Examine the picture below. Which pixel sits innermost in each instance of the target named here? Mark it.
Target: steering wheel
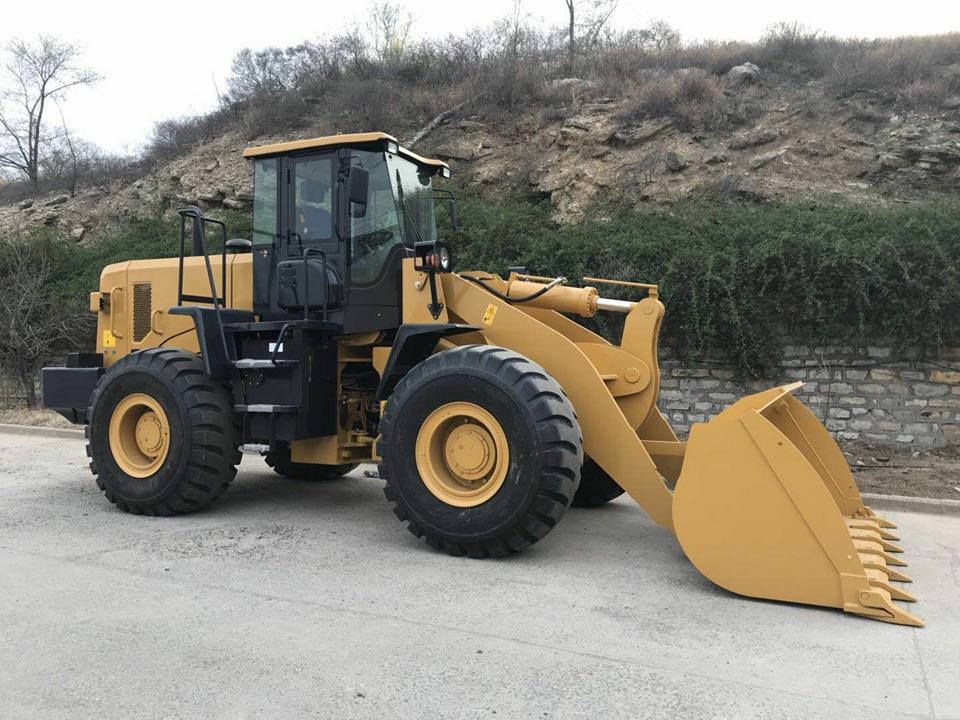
(373, 240)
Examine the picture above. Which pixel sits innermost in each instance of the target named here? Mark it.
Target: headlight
(446, 260)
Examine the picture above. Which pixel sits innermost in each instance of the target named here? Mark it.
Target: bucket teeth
(872, 525)
(882, 522)
(873, 552)
(897, 593)
(879, 579)
(872, 562)
(877, 603)
(898, 576)
(874, 548)
(890, 547)
(874, 536)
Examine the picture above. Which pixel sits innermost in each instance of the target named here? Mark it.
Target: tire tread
(556, 423)
(210, 467)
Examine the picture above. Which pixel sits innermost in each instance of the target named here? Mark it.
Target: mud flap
(766, 506)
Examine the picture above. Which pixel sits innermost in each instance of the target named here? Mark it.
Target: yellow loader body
(760, 498)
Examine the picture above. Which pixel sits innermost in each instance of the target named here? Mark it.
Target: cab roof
(328, 141)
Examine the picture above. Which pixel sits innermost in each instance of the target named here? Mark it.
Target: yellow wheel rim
(139, 435)
(462, 454)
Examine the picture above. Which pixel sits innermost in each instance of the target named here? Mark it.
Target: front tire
(481, 451)
(160, 434)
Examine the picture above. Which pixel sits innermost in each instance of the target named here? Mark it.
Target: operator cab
(333, 218)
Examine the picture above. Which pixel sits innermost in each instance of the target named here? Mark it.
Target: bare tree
(571, 35)
(38, 74)
(261, 72)
(71, 154)
(391, 30)
(584, 28)
(32, 322)
(514, 31)
(596, 20)
(660, 36)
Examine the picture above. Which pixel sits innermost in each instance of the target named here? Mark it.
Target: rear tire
(596, 487)
(281, 463)
(527, 434)
(161, 437)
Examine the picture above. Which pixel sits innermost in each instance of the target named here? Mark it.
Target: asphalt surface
(289, 599)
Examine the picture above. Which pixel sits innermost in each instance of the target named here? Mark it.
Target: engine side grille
(142, 309)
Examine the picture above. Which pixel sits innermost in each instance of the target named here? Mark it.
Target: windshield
(386, 223)
(414, 200)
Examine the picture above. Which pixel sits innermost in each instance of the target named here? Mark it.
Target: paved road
(289, 599)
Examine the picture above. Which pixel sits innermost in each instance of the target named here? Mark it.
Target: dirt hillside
(766, 139)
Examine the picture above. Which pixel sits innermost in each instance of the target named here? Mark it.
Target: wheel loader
(342, 333)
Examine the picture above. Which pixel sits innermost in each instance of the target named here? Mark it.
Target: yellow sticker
(109, 340)
(489, 314)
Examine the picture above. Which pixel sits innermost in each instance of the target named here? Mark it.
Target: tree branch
(433, 124)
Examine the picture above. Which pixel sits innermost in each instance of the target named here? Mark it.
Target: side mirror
(450, 199)
(359, 189)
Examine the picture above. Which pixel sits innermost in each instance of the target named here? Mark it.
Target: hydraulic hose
(514, 300)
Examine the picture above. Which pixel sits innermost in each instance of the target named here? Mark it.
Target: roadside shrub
(887, 67)
(689, 97)
(930, 93)
(508, 85)
(739, 279)
(792, 46)
(175, 136)
(273, 113)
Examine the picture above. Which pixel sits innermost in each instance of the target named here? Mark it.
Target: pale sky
(162, 59)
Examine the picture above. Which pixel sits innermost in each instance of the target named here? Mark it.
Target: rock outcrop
(804, 141)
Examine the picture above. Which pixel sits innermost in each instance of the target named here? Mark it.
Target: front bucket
(766, 506)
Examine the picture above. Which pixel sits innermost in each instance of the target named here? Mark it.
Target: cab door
(308, 230)
(375, 248)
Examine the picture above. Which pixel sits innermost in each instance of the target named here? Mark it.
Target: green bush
(740, 280)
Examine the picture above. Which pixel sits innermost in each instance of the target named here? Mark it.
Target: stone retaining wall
(866, 396)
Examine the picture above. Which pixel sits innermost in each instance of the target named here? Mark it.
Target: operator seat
(313, 221)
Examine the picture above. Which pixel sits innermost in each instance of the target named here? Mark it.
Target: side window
(265, 201)
(313, 199)
(374, 234)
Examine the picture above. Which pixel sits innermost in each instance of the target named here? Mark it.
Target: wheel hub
(139, 435)
(149, 433)
(462, 454)
(470, 451)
